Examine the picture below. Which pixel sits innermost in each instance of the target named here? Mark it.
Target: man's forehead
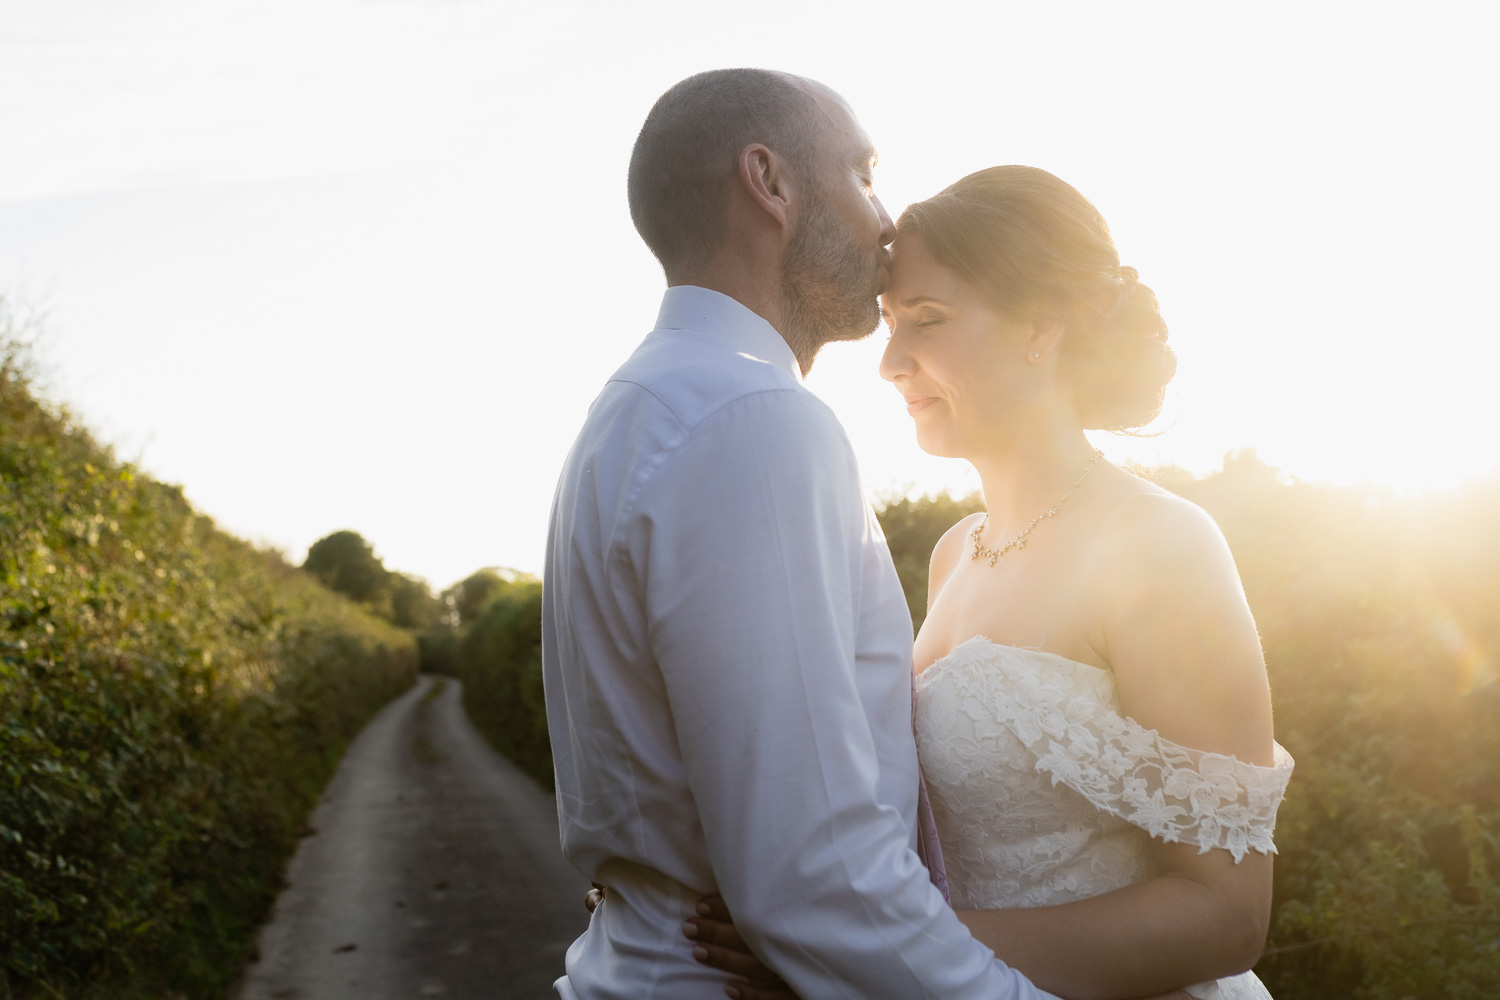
(838, 114)
(815, 87)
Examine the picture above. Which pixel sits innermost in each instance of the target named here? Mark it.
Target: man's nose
(887, 227)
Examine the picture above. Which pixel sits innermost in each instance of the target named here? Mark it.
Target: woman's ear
(1045, 336)
(769, 182)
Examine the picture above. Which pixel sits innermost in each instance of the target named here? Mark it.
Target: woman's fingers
(736, 963)
(707, 930)
(715, 908)
(718, 945)
(742, 990)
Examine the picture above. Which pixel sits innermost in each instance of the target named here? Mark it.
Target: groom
(726, 648)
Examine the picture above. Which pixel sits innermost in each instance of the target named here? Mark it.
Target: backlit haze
(336, 264)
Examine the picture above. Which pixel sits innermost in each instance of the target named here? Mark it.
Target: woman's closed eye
(921, 322)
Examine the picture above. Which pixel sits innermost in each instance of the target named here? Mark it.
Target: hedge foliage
(172, 701)
(1381, 627)
(497, 654)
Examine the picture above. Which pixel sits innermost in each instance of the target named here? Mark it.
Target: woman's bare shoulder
(1161, 551)
(1178, 629)
(946, 553)
(1153, 528)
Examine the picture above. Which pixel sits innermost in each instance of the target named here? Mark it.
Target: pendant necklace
(992, 556)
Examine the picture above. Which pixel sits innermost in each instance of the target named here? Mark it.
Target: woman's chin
(936, 445)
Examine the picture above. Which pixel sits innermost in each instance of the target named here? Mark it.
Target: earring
(1036, 355)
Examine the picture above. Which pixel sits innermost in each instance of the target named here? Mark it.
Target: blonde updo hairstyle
(1038, 249)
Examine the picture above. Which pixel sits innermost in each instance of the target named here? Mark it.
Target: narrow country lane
(434, 871)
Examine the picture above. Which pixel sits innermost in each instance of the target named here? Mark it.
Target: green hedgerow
(171, 702)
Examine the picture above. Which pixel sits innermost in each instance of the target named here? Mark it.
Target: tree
(468, 597)
(347, 564)
(412, 603)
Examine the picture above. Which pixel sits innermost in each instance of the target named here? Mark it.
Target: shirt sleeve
(753, 535)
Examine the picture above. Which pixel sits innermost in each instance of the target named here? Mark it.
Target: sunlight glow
(1475, 669)
(395, 237)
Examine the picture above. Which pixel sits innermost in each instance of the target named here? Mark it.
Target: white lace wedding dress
(1044, 793)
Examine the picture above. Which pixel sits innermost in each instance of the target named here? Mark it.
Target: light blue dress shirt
(727, 659)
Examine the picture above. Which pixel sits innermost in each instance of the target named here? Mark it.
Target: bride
(1092, 713)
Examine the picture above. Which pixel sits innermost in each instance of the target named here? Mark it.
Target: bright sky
(365, 263)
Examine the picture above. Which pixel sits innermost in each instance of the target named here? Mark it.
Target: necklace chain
(992, 556)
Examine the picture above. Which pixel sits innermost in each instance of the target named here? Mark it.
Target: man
(726, 648)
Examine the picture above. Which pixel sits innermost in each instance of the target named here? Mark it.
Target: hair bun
(1117, 291)
(1122, 365)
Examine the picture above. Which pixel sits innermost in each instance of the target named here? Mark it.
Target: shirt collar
(703, 310)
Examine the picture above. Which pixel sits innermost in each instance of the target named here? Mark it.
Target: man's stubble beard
(828, 285)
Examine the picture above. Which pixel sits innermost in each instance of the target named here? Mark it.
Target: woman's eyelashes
(922, 321)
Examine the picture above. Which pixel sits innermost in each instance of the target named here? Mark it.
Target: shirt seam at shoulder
(648, 473)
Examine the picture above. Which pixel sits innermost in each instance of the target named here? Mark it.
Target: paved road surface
(434, 872)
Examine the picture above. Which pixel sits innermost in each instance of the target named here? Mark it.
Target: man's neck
(761, 296)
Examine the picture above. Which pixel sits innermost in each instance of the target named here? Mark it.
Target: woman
(1092, 715)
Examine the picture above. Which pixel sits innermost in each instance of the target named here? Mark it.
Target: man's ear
(768, 181)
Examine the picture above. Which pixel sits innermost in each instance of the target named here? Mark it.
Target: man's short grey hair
(687, 155)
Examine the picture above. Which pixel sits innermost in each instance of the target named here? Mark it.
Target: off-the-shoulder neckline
(1280, 756)
(1019, 650)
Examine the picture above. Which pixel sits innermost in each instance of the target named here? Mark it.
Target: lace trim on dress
(1172, 792)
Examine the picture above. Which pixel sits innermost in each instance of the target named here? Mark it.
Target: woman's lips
(916, 404)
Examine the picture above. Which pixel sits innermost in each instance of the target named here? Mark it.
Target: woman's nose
(895, 362)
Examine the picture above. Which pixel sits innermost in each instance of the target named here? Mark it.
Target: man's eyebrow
(868, 158)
